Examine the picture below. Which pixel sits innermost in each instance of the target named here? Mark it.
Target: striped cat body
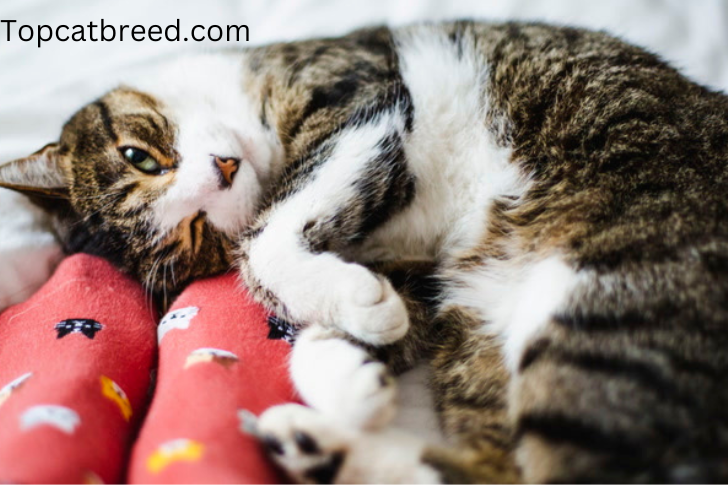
(540, 210)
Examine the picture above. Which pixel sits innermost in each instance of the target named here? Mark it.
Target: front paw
(369, 307)
(323, 289)
(341, 380)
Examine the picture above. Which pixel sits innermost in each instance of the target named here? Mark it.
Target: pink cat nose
(226, 167)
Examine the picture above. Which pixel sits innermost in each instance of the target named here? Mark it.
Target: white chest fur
(458, 165)
(460, 170)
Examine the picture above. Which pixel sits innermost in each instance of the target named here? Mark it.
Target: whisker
(164, 288)
(174, 278)
(96, 197)
(153, 279)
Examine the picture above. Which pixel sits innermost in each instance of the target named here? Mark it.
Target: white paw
(369, 308)
(365, 398)
(312, 449)
(324, 289)
(303, 443)
(370, 396)
(341, 380)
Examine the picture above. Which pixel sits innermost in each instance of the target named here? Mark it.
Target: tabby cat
(569, 190)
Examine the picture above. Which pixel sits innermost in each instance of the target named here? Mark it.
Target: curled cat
(561, 194)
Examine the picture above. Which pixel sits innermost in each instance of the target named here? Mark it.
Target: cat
(540, 210)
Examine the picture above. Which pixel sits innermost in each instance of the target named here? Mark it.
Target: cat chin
(229, 223)
(231, 210)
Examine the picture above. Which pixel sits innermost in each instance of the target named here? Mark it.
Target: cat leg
(343, 437)
(292, 259)
(352, 382)
(470, 385)
(350, 387)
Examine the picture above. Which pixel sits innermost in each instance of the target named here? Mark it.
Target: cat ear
(38, 175)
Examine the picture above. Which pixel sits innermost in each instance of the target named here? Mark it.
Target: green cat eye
(142, 160)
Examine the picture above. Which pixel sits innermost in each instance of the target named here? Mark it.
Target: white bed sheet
(41, 87)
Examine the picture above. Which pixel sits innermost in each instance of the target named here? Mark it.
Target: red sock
(215, 358)
(75, 365)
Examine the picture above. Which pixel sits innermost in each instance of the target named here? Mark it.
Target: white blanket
(41, 87)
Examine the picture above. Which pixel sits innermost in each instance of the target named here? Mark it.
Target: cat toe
(383, 322)
(372, 396)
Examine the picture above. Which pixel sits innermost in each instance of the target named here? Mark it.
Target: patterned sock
(75, 364)
(217, 356)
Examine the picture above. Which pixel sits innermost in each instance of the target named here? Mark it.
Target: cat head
(159, 180)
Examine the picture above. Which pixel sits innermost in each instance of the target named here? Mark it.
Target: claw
(248, 422)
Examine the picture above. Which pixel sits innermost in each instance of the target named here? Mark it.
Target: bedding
(40, 87)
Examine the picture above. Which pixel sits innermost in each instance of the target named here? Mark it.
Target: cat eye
(143, 161)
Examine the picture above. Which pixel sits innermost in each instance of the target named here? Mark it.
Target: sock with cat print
(75, 364)
(220, 355)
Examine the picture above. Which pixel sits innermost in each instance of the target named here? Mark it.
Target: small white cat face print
(178, 319)
(60, 417)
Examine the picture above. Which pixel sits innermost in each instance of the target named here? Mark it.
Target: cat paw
(341, 380)
(313, 449)
(371, 310)
(307, 447)
(370, 396)
(325, 290)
